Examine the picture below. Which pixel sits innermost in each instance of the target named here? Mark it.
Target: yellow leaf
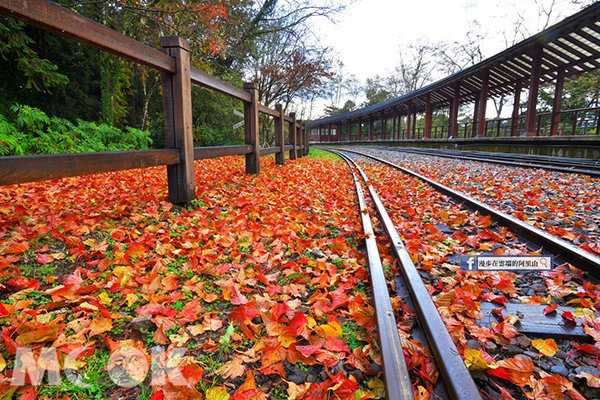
(105, 298)
(474, 360)
(45, 318)
(332, 329)
(378, 388)
(217, 393)
(584, 312)
(297, 391)
(87, 306)
(545, 346)
(124, 274)
(90, 242)
(100, 325)
(286, 340)
(131, 299)
(244, 241)
(179, 340)
(2, 363)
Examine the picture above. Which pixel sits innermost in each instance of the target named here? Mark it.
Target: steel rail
(395, 373)
(560, 248)
(587, 164)
(458, 380)
(493, 159)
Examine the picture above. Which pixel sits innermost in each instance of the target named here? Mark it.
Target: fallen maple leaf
(297, 392)
(568, 317)
(44, 259)
(232, 369)
(592, 380)
(551, 308)
(545, 346)
(39, 335)
(474, 360)
(135, 250)
(332, 329)
(519, 369)
(217, 393)
(100, 325)
(590, 349)
(15, 248)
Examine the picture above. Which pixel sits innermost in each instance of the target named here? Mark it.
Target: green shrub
(33, 132)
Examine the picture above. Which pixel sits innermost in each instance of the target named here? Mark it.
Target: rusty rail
(395, 372)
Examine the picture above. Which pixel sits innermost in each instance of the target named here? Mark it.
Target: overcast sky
(368, 35)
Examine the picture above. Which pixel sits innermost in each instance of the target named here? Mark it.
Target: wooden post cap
(174, 41)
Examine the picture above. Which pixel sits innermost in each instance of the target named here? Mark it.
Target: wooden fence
(177, 79)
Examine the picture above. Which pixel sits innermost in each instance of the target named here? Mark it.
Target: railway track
(457, 381)
(559, 164)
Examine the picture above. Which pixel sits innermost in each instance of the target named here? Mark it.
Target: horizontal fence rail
(23, 169)
(177, 78)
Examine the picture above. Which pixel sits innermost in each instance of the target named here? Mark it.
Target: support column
(383, 126)
(557, 105)
(399, 134)
(414, 126)
(371, 127)
(251, 129)
(394, 124)
(428, 117)
(339, 132)
(359, 129)
(485, 87)
(177, 108)
(514, 122)
(292, 129)
(533, 92)
(454, 106)
(476, 114)
(409, 120)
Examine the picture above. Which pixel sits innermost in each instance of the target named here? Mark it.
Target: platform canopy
(571, 47)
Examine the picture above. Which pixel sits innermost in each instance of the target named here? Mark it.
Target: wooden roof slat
(591, 40)
(570, 48)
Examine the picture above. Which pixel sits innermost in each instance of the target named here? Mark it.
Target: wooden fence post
(177, 108)
(279, 140)
(300, 140)
(307, 139)
(293, 136)
(251, 129)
